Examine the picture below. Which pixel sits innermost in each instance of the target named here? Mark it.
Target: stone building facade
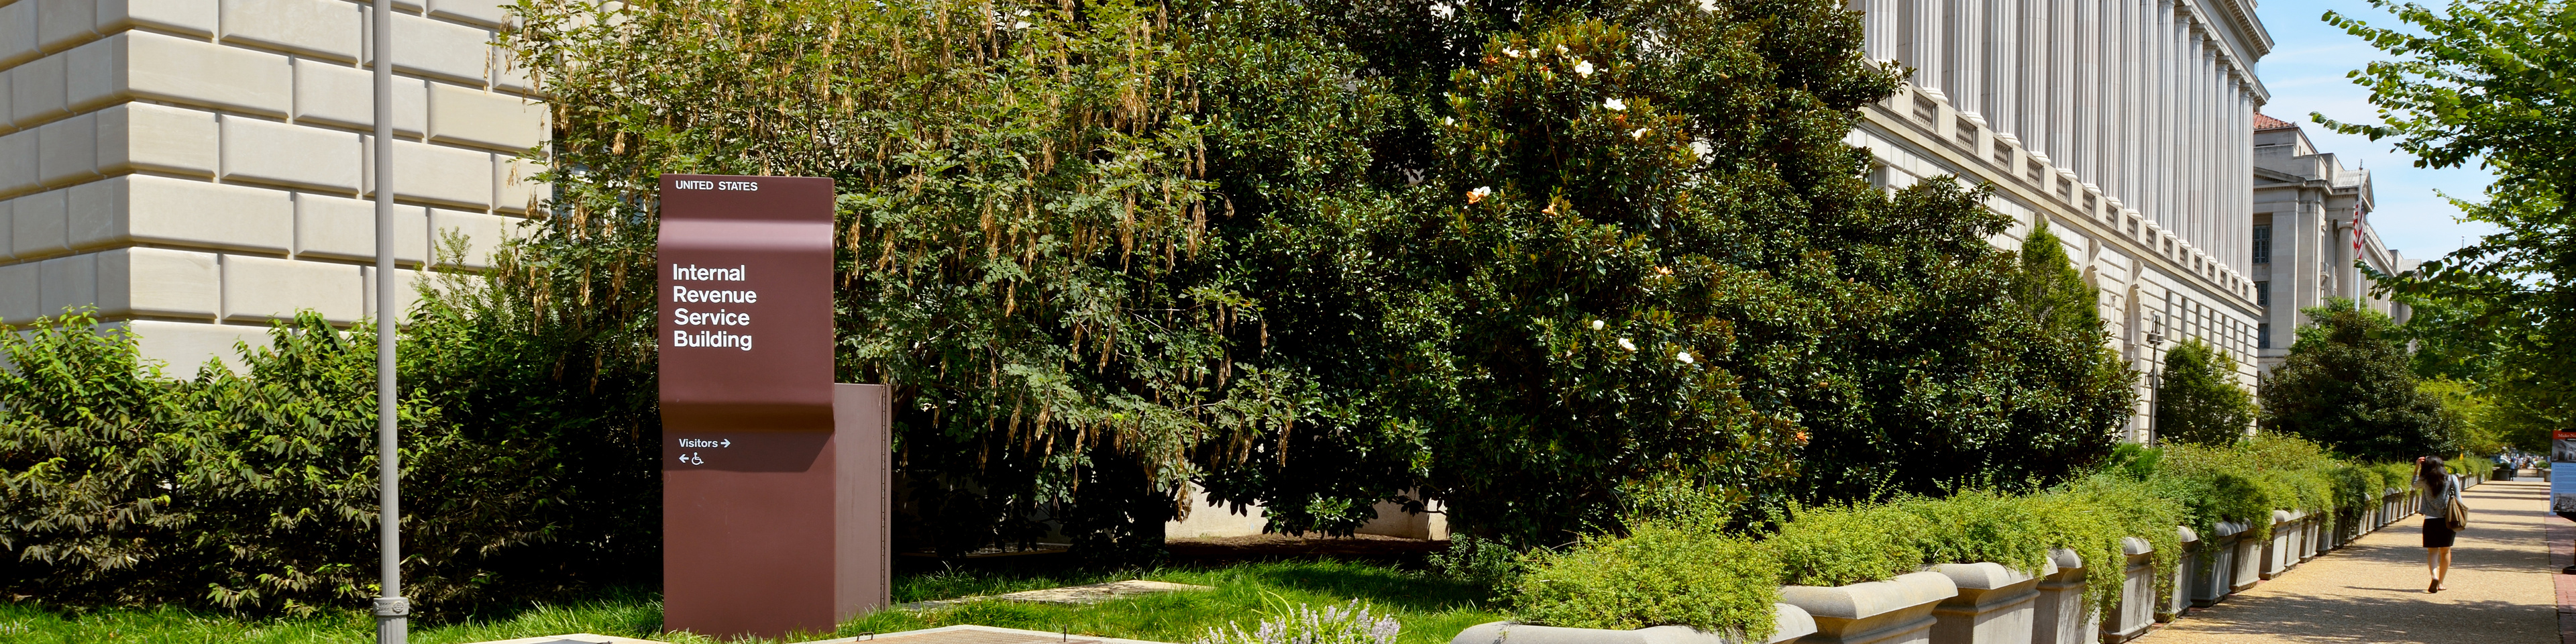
(2305, 206)
(198, 168)
(2127, 124)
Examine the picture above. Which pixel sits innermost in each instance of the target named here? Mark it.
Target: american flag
(2357, 214)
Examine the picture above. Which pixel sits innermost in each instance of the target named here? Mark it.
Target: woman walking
(2438, 487)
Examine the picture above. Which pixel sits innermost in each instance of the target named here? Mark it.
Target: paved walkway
(2500, 591)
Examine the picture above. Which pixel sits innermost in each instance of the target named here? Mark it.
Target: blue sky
(2305, 73)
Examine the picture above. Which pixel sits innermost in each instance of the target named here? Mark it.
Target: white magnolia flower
(1479, 194)
(1613, 103)
(1596, 325)
(1515, 53)
(1583, 68)
(1562, 50)
(1700, 148)
(1625, 344)
(1443, 10)
(1683, 356)
(1708, 5)
(1639, 134)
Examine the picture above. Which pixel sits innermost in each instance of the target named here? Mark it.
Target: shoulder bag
(2457, 514)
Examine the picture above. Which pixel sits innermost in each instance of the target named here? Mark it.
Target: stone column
(2084, 74)
(1999, 42)
(2159, 88)
(1879, 33)
(1963, 30)
(1923, 41)
(2065, 54)
(2031, 62)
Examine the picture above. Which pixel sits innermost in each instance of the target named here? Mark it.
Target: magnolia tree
(1514, 256)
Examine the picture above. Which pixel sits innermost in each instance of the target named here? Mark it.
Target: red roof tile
(2262, 122)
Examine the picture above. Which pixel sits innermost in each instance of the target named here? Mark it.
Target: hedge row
(1675, 568)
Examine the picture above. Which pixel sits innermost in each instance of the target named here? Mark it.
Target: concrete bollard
(2249, 562)
(1789, 625)
(2138, 601)
(2215, 576)
(2186, 562)
(1995, 604)
(1896, 611)
(2064, 617)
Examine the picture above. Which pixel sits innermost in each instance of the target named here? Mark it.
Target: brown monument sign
(774, 478)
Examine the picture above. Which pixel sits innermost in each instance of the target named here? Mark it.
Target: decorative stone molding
(2062, 616)
(2138, 601)
(1995, 604)
(1896, 611)
(1790, 623)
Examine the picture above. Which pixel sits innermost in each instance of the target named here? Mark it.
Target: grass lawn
(1432, 610)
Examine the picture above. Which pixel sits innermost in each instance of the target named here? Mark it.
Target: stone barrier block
(2063, 617)
(1995, 605)
(2276, 551)
(2214, 578)
(2186, 561)
(1789, 625)
(1896, 611)
(2249, 562)
(2138, 601)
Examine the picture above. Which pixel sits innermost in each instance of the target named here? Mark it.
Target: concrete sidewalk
(2500, 590)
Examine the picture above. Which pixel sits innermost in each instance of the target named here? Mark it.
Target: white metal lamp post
(391, 609)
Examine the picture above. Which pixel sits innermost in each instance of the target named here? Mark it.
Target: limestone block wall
(197, 168)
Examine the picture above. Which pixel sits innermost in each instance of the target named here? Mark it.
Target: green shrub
(1837, 545)
(1486, 563)
(1660, 574)
(256, 492)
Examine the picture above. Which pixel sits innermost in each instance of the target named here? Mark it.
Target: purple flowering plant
(1352, 623)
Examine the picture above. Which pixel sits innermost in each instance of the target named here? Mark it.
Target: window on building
(2263, 294)
(2263, 336)
(2262, 243)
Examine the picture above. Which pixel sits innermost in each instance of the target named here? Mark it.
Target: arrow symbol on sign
(727, 443)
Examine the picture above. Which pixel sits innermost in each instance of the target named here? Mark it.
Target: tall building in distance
(196, 169)
(2126, 124)
(2306, 206)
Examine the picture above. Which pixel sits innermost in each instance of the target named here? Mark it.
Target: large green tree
(2197, 398)
(2492, 82)
(1510, 255)
(2346, 385)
